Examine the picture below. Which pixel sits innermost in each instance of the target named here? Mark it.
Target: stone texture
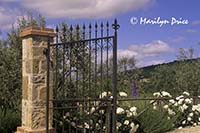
(42, 93)
(25, 87)
(34, 64)
(38, 78)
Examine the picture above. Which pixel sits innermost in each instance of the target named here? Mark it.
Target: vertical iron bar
(56, 74)
(89, 80)
(47, 90)
(95, 65)
(56, 71)
(83, 46)
(63, 60)
(101, 67)
(70, 67)
(70, 53)
(107, 47)
(63, 73)
(77, 67)
(114, 119)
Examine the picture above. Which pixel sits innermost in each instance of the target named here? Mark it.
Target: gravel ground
(187, 130)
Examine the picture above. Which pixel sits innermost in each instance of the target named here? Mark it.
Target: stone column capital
(37, 31)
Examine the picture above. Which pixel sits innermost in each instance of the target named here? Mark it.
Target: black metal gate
(83, 66)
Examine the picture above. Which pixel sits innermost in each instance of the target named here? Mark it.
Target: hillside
(149, 69)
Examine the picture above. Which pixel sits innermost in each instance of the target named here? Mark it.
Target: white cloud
(8, 17)
(83, 8)
(145, 51)
(151, 49)
(191, 31)
(5, 19)
(178, 39)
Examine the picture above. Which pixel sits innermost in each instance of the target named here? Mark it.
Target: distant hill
(148, 69)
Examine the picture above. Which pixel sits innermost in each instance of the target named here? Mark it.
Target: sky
(150, 30)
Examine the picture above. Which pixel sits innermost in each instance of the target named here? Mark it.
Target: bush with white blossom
(181, 108)
(97, 115)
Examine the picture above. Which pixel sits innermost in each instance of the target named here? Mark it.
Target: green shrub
(9, 120)
(155, 121)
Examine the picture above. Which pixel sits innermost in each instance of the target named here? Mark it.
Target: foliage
(9, 120)
(10, 77)
(154, 121)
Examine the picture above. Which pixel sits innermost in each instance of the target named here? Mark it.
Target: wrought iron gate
(83, 66)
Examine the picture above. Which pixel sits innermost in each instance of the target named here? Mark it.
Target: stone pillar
(34, 70)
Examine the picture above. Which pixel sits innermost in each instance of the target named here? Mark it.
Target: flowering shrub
(165, 111)
(95, 117)
(126, 117)
(180, 107)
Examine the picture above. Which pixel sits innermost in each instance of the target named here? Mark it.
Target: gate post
(34, 71)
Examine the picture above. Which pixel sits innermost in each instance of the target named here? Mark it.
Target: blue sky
(148, 43)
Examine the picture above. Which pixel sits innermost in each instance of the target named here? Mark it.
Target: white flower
(97, 125)
(194, 124)
(166, 106)
(118, 124)
(155, 103)
(122, 94)
(164, 93)
(181, 96)
(172, 101)
(185, 106)
(187, 100)
(176, 104)
(157, 94)
(180, 127)
(132, 125)
(180, 101)
(191, 114)
(171, 112)
(100, 121)
(101, 111)
(152, 101)
(189, 118)
(183, 122)
(181, 109)
(186, 93)
(133, 109)
(103, 94)
(120, 110)
(194, 107)
(154, 107)
(129, 114)
(92, 110)
(126, 122)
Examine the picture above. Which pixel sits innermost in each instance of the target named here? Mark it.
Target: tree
(10, 63)
(126, 63)
(185, 54)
